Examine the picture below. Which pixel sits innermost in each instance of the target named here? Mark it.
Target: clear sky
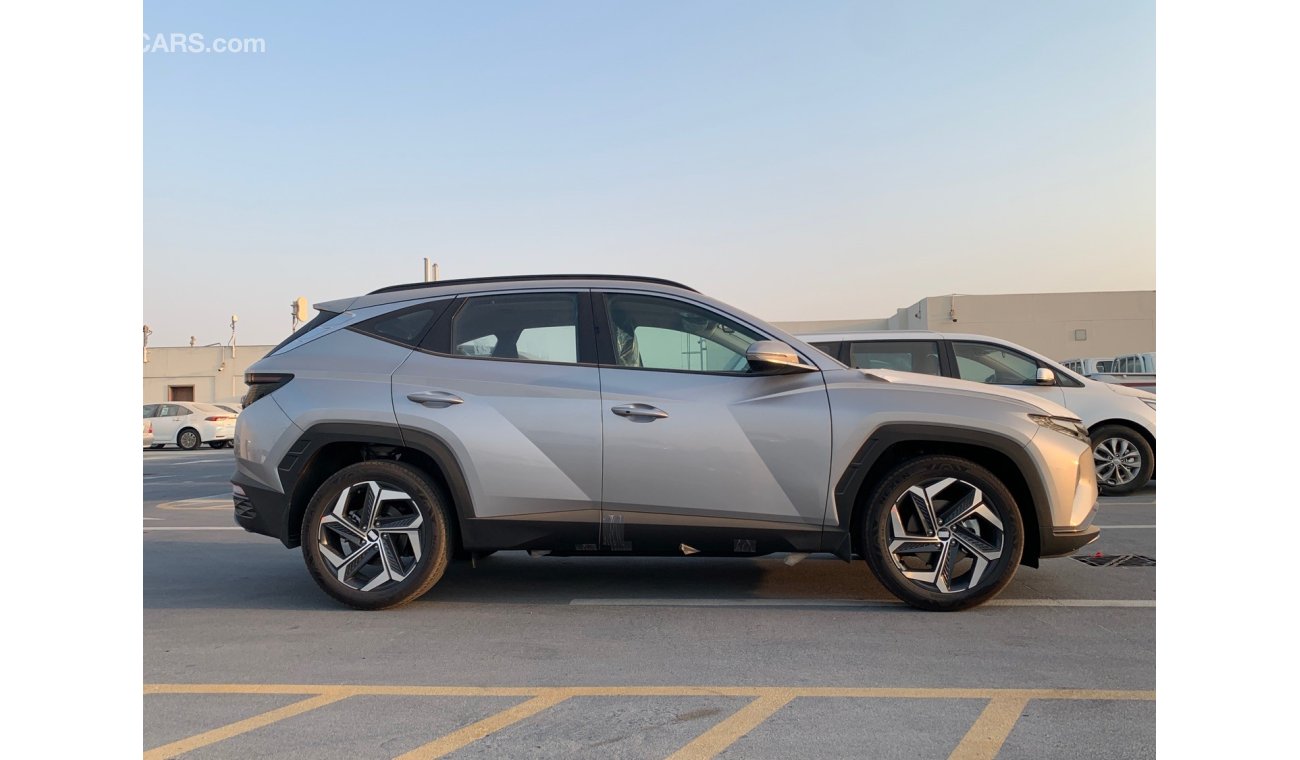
(802, 160)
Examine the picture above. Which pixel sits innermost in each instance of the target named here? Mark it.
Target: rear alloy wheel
(375, 535)
(189, 439)
(942, 533)
(1123, 458)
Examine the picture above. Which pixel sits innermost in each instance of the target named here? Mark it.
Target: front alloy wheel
(376, 534)
(942, 533)
(1124, 460)
(943, 536)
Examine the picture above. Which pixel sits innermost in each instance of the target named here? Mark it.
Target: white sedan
(190, 424)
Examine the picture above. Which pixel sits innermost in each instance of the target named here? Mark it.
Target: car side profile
(190, 424)
(590, 415)
(1121, 420)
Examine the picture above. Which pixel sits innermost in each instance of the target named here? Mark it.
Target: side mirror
(775, 356)
(1044, 376)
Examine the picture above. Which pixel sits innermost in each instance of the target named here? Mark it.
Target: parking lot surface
(626, 657)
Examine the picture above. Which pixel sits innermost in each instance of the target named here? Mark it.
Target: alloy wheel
(943, 535)
(1118, 461)
(370, 538)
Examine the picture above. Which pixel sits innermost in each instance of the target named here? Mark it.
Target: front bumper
(1058, 542)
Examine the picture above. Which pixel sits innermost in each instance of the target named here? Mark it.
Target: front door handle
(639, 411)
(435, 399)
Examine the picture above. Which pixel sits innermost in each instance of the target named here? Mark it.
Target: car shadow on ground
(194, 574)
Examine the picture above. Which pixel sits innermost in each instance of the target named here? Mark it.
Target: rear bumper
(259, 509)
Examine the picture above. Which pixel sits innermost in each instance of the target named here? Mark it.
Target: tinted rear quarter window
(906, 355)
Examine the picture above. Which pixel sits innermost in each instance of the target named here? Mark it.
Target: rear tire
(157, 445)
(1123, 458)
(189, 439)
(377, 535)
(942, 533)
(217, 444)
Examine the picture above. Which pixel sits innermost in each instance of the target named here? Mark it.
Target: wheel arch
(1147, 435)
(326, 448)
(892, 445)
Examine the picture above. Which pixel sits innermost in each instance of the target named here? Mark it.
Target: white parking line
(848, 603)
(148, 528)
(153, 462)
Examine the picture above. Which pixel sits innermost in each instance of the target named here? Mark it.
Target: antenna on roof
(233, 320)
(147, 333)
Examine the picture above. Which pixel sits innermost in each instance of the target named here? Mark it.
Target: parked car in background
(1121, 420)
(588, 415)
(1132, 370)
(1088, 366)
(148, 433)
(190, 424)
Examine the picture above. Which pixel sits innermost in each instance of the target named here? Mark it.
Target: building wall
(215, 374)
(1117, 322)
(1113, 323)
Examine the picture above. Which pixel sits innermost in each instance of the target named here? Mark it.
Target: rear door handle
(640, 411)
(435, 399)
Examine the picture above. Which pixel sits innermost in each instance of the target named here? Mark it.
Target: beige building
(198, 373)
(1058, 325)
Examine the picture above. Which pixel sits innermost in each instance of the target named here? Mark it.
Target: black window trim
(437, 305)
(437, 341)
(606, 350)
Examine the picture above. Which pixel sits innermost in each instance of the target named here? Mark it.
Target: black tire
(157, 445)
(876, 528)
(217, 444)
(1102, 437)
(434, 534)
(189, 439)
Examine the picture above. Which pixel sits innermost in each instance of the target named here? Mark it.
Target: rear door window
(905, 355)
(540, 327)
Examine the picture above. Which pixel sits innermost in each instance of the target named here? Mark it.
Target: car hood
(1125, 390)
(982, 389)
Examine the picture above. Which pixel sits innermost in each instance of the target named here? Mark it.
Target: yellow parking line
(243, 726)
(651, 691)
(985, 739)
(724, 734)
(453, 741)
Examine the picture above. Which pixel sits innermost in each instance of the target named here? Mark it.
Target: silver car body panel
(527, 434)
(731, 446)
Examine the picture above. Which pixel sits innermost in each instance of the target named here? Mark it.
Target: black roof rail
(521, 278)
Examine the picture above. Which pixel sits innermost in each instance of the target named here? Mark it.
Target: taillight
(263, 384)
(218, 419)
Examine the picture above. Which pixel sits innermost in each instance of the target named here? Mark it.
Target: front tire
(1123, 458)
(189, 439)
(942, 533)
(377, 535)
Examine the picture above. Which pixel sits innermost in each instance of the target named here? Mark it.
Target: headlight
(1149, 402)
(1067, 425)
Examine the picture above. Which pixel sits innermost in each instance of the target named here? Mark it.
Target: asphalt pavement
(627, 657)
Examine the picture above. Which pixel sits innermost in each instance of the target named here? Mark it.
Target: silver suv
(606, 415)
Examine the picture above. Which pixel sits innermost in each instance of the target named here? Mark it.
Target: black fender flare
(296, 462)
(849, 487)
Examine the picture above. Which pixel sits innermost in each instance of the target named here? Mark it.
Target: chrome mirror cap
(773, 355)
